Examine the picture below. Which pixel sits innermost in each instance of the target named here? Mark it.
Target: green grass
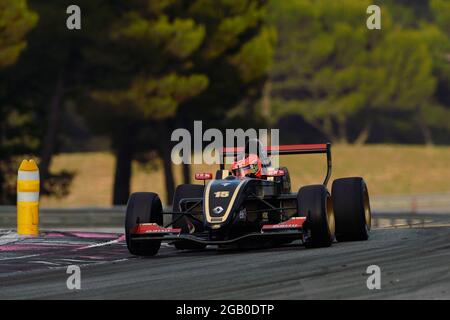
(388, 169)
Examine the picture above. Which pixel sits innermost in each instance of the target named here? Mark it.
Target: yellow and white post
(28, 198)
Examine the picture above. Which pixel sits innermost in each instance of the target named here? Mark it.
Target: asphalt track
(414, 262)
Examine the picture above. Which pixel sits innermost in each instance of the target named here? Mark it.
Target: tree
(321, 50)
(180, 56)
(16, 124)
(152, 82)
(236, 56)
(333, 71)
(440, 115)
(430, 19)
(16, 20)
(47, 77)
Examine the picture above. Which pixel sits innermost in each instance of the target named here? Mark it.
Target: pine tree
(16, 124)
(334, 72)
(172, 60)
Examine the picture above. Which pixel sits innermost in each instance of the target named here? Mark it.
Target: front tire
(314, 202)
(143, 207)
(352, 209)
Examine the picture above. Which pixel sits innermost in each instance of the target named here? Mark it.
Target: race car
(251, 205)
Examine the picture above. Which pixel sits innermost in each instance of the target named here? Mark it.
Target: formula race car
(251, 205)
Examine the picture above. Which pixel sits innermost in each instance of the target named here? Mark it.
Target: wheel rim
(330, 217)
(367, 214)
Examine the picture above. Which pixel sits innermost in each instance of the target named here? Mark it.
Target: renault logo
(218, 210)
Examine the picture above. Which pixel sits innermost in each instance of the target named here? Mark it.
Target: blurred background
(96, 106)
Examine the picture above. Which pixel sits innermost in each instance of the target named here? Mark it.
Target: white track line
(21, 257)
(9, 237)
(45, 262)
(100, 244)
(75, 260)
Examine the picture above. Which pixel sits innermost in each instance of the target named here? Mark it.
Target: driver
(252, 165)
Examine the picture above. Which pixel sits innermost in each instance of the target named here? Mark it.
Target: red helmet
(251, 166)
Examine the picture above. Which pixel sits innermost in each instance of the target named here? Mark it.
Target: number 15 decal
(222, 194)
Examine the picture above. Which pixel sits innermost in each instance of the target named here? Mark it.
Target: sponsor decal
(222, 194)
(293, 223)
(218, 210)
(243, 214)
(153, 228)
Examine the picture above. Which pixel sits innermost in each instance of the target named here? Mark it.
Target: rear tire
(352, 209)
(186, 191)
(314, 202)
(143, 207)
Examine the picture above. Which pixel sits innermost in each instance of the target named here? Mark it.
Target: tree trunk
(2, 187)
(327, 128)
(124, 157)
(185, 167)
(342, 129)
(427, 136)
(2, 168)
(54, 119)
(165, 152)
(186, 173)
(363, 135)
(266, 100)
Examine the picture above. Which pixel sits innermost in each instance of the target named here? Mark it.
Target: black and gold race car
(251, 205)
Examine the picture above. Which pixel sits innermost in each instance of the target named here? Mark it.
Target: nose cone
(28, 165)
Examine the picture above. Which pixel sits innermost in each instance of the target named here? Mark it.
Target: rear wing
(284, 150)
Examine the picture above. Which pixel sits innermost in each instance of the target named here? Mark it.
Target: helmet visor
(247, 170)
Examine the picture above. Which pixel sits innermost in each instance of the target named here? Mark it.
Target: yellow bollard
(28, 198)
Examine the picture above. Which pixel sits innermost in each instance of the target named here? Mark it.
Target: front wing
(291, 230)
